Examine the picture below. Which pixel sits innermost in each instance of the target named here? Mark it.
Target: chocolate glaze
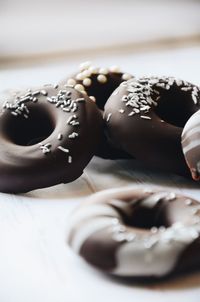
(136, 233)
(47, 136)
(102, 82)
(145, 118)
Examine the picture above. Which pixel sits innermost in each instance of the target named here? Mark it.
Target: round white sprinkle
(101, 78)
(80, 76)
(188, 202)
(93, 69)
(154, 230)
(79, 87)
(86, 73)
(126, 76)
(85, 65)
(114, 68)
(92, 98)
(103, 70)
(162, 228)
(71, 82)
(87, 82)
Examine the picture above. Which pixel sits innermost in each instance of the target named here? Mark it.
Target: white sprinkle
(102, 78)
(60, 136)
(188, 202)
(114, 69)
(108, 117)
(87, 82)
(74, 123)
(35, 92)
(71, 118)
(63, 149)
(186, 88)
(170, 196)
(85, 65)
(92, 98)
(71, 82)
(79, 76)
(154, 230)
(14, 113)
(126, 76)
(79, 87)
(131, 113)
(162, 229)
(44, 92)
(161, 85)
(93, 69)
(179, 82)
(194, 98)
(121, 110)
(69, 159)
(86, 74)
(103, 70)
(145, 117)
(73, 135)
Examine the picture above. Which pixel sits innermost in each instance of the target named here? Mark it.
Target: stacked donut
(49, 134)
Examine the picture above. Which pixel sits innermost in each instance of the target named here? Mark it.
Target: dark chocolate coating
(146, 117)
(101, 91)
(137, 233)
(47, 136)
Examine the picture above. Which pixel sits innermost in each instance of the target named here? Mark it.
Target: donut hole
(146, 218)
(29, 131)
(175, 106)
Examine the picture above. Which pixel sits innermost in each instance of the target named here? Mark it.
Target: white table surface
(35, 263)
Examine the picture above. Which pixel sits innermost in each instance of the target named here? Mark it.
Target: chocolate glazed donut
(137, 233)
(98, 84)
(145, 117)
(47, 137)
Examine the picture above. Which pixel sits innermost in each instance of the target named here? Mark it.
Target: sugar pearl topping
(84, 78)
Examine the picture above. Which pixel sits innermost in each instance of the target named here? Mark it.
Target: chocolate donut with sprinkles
(137, 233)
(191, 144)
(47, 136)
(145, 117)
(99, 83)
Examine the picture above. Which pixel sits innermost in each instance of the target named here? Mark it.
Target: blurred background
(44, 32)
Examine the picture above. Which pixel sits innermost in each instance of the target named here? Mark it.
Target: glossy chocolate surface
(145, 118)
(47, 136)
